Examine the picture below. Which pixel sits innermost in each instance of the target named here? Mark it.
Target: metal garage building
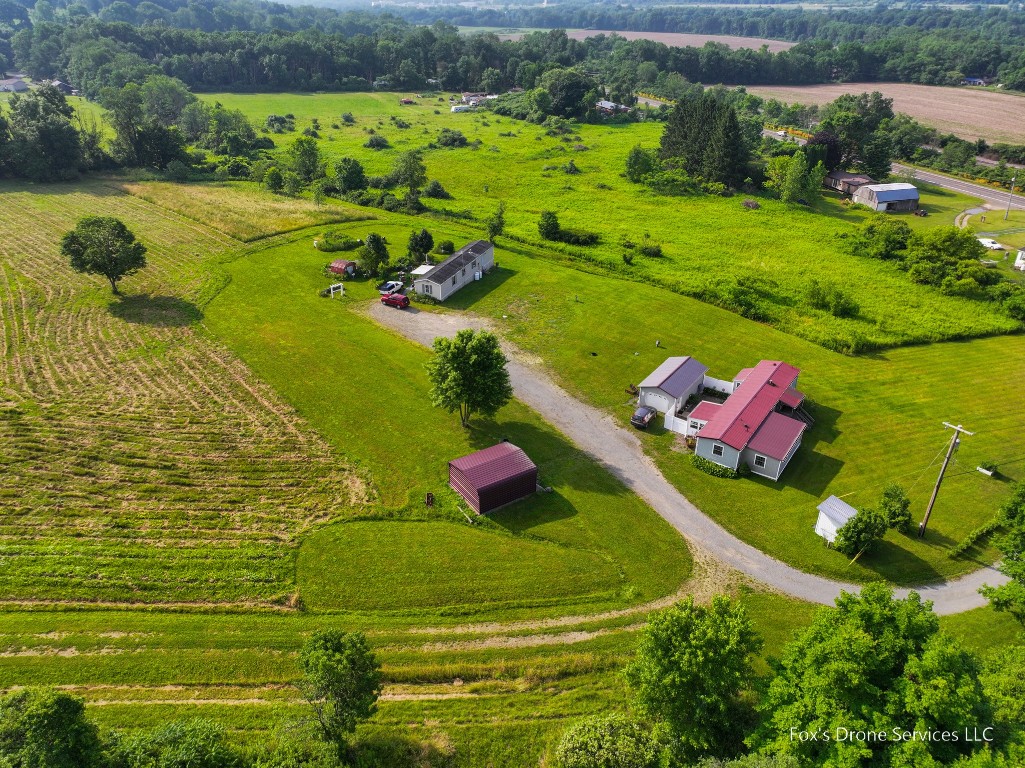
(494, 477)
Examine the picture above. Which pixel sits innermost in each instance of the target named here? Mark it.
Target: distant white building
(833, 515)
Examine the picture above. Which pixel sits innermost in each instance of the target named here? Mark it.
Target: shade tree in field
(702, 137)
(548, 225)
(420, 244)
(468, 374)
(350, 176)
(409, 170)
(639, 163)
(496, 222)
(373, 254)
(304, 159)
(691, 667)
(341, 681)
(103, 245)
(872, 663)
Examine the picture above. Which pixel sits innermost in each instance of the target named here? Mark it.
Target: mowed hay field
(971, 113)
(709, 243)
(141, 461)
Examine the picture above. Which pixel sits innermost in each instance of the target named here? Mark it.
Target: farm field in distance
(971, 113)
(673, 39)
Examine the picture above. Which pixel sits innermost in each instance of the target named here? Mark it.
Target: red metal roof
(743, 374)
(742, 414)
(340, 265)
(705, 410)
(792, 398)
(494, 465)
(777, 436)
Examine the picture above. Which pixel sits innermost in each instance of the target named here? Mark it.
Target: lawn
(710, 244)
(365, 390)
(879, 418)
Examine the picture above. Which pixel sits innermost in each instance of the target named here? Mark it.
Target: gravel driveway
(619, 450)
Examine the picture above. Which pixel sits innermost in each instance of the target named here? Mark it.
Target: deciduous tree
(103, 245)
(48, 729)
(349, 175)
(304, 159)
(548, 226)
(409, 170)
(468, 374)
(496, 223)
(341, 681)
(691, 666)
(373, 255)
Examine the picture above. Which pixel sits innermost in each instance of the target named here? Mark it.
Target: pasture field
(971, 113)
(709, 243)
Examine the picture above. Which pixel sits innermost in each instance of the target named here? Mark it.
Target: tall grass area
(709, 243)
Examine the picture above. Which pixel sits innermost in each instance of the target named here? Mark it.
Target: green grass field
(706, 240)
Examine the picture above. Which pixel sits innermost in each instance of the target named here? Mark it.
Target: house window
(759, 461)
(695, 425)
(464, 271)
(717, 450)
(427, 288)
(454, 278)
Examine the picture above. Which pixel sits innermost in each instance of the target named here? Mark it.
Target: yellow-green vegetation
(240, 211)
(710, 244)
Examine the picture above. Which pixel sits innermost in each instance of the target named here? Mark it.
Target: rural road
(619, 450)
(994, 197)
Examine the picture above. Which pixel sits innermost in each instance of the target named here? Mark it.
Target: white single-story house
(833, 515)
(887, 197)
(1019, 261)
(669, 386)
(467, 264)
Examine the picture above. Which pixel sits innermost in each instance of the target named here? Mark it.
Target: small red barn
(343, 267)
(494, 477)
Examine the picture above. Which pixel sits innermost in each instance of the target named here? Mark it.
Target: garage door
(659, 402)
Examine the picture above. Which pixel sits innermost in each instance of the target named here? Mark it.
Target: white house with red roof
(760, 424)
(757, 419)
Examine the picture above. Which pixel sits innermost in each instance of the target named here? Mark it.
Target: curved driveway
(619, 450)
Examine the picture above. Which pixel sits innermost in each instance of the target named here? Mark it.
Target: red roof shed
(343, 267)
(494, 477)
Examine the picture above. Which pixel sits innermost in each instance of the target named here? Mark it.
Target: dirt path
(620, 452)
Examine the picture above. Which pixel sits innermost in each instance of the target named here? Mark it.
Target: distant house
(493, 477)
(464, 266)
(343, 267)
(887, 197)
(473, 98)
(461, 108)
(13, 85)
(668, 387)
(833, 515)
(975, 81)
(845, 182)
(63, 87)
(1019, 261)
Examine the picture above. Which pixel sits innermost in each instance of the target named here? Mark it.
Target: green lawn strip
(778, 249)
(365, 390)
(984, 629)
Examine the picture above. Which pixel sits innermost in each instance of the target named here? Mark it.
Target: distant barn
(494, 477)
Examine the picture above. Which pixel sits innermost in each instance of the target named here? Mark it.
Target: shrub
(653, 251)
(348, 118)
(548, 226)
(177, 171)
(829, 297)
(751, 205)
(333, 240)
(628, 258)
(895, 506)
(446, 247)
(377, 142)
(861, 532)
(713, 469)
(577, 237)
(570, 168)
(607, 740)
(279, 123)
(436, 191)
(451, 138)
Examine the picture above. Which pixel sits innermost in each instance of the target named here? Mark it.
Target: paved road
(619, 450)
(994, 197)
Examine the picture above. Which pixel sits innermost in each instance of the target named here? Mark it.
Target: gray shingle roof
(675, 375)
(461, 258)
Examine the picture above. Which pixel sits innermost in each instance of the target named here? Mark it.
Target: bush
(628, 258)
(436, 191)
(348, 118)
(446, 247)
(653, 251)
(895, 506)
(377, 142)
(548, 226)
(829, 297)
(577, 237)
(713, 469)
(177, 171)
(332, 241)
(451, 138)
(861, 532)
(604, 741)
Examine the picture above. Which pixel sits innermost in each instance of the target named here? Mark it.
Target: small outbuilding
(887, 197)
(846, 182)
(343, 267)
(833, 515)
(669, 386)
(493, 477)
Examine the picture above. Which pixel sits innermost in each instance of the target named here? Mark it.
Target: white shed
(833, 514)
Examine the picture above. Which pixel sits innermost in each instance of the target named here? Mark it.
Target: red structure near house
(494, 477)
(343, 267)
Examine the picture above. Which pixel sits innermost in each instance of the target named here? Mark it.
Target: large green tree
(468, 374)
(349, 175)
(341, 681)
(691, 666)
(876, 664)
(304, 159)
(44, 144)
(373, 254)
(46, 729)
(409, 170)
(103, 245)
(571, 91)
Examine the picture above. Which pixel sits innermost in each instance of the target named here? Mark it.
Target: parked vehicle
(392, 286)
(643, 416)
(993, 245)
(395, 300)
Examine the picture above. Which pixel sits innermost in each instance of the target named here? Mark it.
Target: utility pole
(954, 441)
(1010, 195)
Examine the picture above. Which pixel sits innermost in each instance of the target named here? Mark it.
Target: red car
(395, 300)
